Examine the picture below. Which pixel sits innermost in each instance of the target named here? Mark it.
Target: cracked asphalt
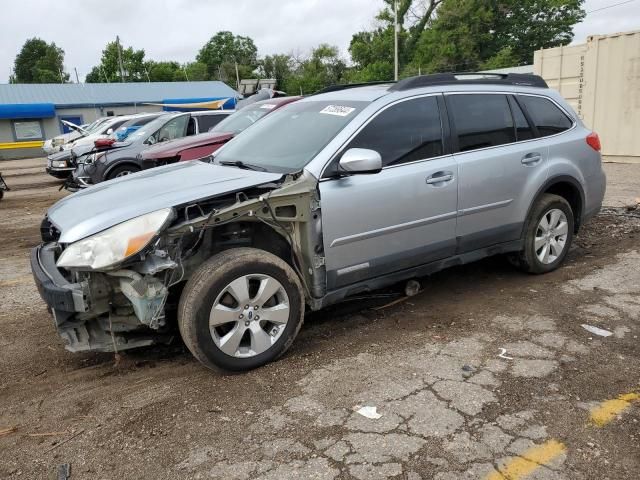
(485, 374)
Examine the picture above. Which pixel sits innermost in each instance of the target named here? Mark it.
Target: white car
(54, 144)
(103, 130)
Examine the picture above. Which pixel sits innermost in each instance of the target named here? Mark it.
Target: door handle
(531, 158)
(439, 177)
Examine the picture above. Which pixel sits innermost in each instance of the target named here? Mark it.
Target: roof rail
(336, 88)
(475, 78)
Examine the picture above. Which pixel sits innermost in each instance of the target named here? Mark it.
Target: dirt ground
(486, 373)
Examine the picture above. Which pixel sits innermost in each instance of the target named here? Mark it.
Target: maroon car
(203, 145)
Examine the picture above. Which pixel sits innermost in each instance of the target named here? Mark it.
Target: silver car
(337, 194)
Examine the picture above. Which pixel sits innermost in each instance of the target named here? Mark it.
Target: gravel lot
(486, 373)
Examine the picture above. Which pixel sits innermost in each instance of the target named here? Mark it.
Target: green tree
(39, 62)
(221, 53)
(323, 68)
(195, 71)
(482, 34)
(109, 70)
(458, 35)
(164, 71)
(278, 66)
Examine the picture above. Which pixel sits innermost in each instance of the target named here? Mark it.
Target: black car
(111, 159)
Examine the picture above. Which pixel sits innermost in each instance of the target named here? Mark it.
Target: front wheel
(548, 235)
(122, 171)
(241, 309)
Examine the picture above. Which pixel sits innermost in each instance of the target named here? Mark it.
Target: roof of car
(434, 82)
(367, 93)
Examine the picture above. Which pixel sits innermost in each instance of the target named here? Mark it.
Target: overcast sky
(176, 29)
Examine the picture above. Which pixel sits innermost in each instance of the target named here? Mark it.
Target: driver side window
(405, 132)
(174, 128)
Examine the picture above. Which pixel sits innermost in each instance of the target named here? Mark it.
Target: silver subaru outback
(340, 193)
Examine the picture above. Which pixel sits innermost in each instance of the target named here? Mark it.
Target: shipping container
(601, 81)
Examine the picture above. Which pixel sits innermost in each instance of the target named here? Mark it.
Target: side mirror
(110, 131)
(360, 160)
(151, 140)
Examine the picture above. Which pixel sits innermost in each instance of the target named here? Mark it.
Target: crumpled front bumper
(84, 313)
(64, 298)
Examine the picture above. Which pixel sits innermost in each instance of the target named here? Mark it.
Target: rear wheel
(122, 171)
(548, 235)
(241, 309)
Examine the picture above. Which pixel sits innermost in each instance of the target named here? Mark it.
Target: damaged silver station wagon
(337, 194)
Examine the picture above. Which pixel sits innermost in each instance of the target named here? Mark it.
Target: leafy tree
(323, 68)
(223, 51)
(164, 71)
(279, 66)
(109, 69)
(39, 62)
(195, 71)
(481, 34)
(458, 35)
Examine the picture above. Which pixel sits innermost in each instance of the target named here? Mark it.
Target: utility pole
(120, 59)
(103, 74)
(146, 72)
(395, 40)
(61, 77)
(184, 70)
(237, 76)
(77, 79)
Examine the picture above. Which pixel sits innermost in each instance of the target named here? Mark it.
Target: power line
(610, 6)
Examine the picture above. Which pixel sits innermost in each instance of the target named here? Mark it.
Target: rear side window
(405, 132)
(205, 122)
(546, 115)
(523, 129)
(481, 121)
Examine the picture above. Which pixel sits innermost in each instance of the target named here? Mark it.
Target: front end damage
(131, 305)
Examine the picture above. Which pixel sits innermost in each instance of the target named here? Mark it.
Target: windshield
(243, 119)
(131, 126)
(288, 139)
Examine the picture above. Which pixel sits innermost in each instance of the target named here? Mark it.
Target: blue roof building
(31, 113)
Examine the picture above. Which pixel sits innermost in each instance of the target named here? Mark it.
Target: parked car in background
(116, 159)
(61, 164)
(337, 194)
(53, 145)
(203, 145)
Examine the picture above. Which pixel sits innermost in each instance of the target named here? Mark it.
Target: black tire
(527, 260)
(210, 280)
(122, 170)
(1, 194)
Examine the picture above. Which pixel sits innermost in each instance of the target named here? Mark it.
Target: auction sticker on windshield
(338, 110)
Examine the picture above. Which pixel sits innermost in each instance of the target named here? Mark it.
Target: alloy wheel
(551, 236)
(249, 315)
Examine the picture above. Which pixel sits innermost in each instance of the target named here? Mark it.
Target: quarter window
(405, 132)
(481, 121)
(546, 115)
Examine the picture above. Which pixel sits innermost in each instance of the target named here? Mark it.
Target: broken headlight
(115, 244)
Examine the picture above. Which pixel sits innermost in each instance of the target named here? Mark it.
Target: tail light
(593, 140)
(104, 142)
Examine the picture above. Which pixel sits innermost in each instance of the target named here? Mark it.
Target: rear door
(498, 159)
(404, 215)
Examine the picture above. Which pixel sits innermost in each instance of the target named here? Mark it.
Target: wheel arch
(120, 163)
(567, 187)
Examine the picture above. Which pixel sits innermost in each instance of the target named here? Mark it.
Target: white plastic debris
(597, 331)
(369, 412)
(502, 353)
